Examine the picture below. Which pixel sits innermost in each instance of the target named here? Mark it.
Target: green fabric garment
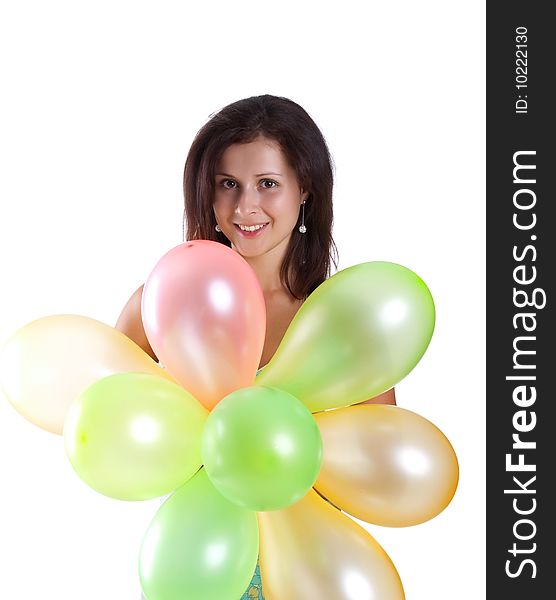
(255, 589)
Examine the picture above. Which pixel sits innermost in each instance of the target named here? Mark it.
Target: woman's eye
(229, 184)
(268, 183)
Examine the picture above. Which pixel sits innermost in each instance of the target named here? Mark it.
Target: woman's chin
(248, 253)
(255, 248)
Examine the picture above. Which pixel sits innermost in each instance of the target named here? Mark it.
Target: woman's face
(257, 197)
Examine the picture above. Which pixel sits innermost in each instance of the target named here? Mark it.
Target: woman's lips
(250, 234)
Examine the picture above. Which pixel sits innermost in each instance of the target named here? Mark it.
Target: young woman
(258, 178)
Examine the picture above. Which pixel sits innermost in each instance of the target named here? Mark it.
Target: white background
(100, 102)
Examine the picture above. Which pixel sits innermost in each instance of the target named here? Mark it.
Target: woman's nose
(247, 201)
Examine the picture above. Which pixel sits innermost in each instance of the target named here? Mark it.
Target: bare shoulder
(130, 322)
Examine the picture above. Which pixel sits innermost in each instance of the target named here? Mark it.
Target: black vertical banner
(521, 332)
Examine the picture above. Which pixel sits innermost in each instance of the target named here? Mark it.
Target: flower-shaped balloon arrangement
(248, 459)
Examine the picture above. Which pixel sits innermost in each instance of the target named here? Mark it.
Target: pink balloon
(205, 318)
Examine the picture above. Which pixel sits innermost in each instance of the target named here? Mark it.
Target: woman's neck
(267, 269)
(267, 274)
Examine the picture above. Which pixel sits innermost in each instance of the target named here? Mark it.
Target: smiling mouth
(250, 230)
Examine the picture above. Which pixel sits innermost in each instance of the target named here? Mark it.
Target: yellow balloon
(46, 364)
(313, 551)
(385, 465)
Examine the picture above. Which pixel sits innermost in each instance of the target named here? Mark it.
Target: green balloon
(135, 436)
(261, 448)
(199, 546)
(356, 336)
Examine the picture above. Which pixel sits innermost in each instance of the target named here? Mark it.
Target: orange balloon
(313, 551)
(46, 365)
(385, 465)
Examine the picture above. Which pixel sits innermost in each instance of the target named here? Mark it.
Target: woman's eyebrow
(270, 173)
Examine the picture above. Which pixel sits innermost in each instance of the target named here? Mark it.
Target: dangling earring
(302, 228)
(217, 227)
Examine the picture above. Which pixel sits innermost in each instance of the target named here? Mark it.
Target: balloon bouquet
(257, 466)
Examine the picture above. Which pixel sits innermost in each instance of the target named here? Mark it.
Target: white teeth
(251, 227)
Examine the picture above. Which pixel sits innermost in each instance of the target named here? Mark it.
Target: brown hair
(308, 259)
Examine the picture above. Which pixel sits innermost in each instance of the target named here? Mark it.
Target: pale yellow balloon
(385, 465)
(313, 551)
(46, 364)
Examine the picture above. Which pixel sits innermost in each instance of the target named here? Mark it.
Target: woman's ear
(304, 196)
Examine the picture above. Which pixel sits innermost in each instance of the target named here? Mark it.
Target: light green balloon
(199, 546)
(356, 336)
(135, 436)
(262, 448)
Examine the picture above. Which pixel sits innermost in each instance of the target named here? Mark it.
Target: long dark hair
(309, 256)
